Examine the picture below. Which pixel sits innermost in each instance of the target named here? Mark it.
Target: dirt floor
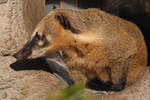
(25, 85)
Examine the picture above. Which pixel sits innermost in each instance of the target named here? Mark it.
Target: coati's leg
(118, 77)
(59, 69)
(120, 84)
(120, 73)
(104, 74)
(99, 80)
(77, 76)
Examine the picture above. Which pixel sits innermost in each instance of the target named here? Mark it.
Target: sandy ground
(27, 84)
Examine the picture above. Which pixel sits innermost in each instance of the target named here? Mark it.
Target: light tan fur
(103, 45)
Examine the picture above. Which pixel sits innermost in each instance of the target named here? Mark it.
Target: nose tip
(15, 56)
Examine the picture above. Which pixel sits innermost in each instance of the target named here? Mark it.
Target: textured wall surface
(18, 19)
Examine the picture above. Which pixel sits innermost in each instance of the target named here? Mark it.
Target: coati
(98, 44)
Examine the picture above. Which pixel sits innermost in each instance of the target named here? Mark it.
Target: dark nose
(22, 54)
(18, 55)
(15, 55)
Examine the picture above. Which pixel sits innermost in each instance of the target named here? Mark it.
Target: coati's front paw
(117, 87)
(97, 84)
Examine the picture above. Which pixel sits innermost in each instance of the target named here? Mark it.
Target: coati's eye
(41, 40)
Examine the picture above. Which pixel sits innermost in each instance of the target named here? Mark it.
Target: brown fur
(96, 43)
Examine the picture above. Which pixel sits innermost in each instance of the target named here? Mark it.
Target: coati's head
(51, 34)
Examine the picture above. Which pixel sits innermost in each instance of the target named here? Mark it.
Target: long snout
(22, 54)
(26, 51)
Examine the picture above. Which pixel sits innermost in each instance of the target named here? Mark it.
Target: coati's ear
(64, 21)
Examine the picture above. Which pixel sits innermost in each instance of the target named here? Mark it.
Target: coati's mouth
(22, 55)
(26, 51)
